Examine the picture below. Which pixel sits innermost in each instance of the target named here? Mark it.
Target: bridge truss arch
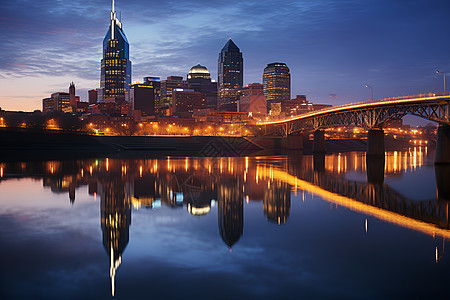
(368, 115)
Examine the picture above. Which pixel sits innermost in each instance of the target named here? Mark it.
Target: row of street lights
(371, 88)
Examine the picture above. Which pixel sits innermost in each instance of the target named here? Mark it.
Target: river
(260, 227)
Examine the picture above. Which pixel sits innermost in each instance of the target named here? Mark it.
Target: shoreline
(56, 145)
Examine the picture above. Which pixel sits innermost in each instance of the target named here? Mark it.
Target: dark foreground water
(279, 227)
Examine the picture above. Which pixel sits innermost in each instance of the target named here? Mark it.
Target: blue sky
(331, 47)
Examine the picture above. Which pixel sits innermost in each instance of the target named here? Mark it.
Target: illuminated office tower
(155, 82)
(199, 80)
(230, 76)
(277, 83)
(115, 79)
(167, 87)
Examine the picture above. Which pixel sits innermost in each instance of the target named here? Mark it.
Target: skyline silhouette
(332, 49)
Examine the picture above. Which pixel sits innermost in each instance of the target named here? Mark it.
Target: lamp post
(371, 90)
(437, 71)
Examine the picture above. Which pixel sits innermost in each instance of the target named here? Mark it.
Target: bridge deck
(385, 102)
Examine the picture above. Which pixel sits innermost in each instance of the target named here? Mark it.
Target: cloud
(330, 46)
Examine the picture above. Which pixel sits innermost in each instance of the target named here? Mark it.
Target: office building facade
(155, 82)
(115, 79)
(93, 95)
(185, 101)
(167, 87)
(277, 83)
(199, 80)
(230, 76)
(142, 98)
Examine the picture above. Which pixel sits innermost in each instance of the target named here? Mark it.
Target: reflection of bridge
(371, 115)
(430, 217)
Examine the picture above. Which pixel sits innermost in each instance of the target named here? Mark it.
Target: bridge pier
(443, 145)
(294, 141)
(375, 143)
(319, 142)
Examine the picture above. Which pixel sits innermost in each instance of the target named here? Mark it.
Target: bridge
(371, 115)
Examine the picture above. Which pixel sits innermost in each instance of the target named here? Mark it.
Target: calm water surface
(278, 227)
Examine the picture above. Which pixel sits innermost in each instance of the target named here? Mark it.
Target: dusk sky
(333, 48)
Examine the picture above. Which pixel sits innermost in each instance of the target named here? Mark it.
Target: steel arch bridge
(368, 114)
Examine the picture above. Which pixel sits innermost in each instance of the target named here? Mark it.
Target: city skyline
(333, 51)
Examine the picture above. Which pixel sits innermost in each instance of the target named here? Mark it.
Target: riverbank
(57, 145)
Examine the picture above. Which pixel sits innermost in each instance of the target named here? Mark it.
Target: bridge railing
(381, 100)
(418, 96)
(333, 108)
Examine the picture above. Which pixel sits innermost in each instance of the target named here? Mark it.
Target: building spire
(113, 20)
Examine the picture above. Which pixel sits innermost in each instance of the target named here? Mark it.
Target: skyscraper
(230, 76)
(167, 87)
(115, 79)
(142, 97)
(277, 83)
(199, 80)
(93, 95)
(155, 82)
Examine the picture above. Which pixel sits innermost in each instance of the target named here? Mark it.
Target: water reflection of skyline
(200, 183)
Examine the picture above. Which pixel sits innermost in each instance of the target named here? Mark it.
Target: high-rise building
(61, 102)
(115, 79)
(230, 76)
(93, 95)
(142, 97)
(155, 82)
(65, 102)
(277, 83)
(167, 87)
(252, 99)
(48, 105)
(199, 80)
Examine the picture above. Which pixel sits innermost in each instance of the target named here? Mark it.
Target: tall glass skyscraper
(115, 79)
(231, 76)
(277, 83)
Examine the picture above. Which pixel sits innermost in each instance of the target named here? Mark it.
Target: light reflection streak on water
(359, 207)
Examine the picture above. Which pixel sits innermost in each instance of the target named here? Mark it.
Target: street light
(371, 90)
(437, 71)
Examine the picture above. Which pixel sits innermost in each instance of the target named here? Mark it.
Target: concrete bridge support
(375, 143)
(319, 142)
(294, 141)
(443, 145)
